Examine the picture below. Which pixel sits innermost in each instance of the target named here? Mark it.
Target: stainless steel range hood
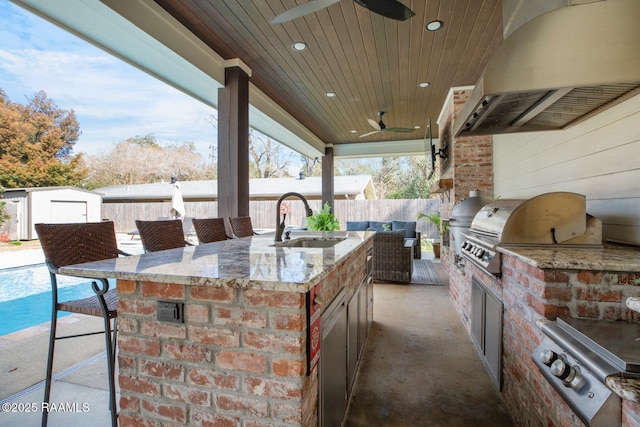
(557, 69)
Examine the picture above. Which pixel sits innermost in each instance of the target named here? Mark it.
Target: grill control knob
(570, 375)
(560, 369)
(547, 357)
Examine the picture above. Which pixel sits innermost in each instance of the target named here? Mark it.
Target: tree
(385, 172)
(393, 177)
(267, 158)
(142, 160)
(36, 144)
(413, 177)
(144, 141)
(310, 167)
(387, 178)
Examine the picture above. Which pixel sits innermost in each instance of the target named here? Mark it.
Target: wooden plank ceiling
(370, 62)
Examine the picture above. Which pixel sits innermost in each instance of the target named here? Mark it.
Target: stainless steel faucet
(280, 225)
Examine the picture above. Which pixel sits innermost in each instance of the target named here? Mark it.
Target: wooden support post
(233, 144)
(327, 177)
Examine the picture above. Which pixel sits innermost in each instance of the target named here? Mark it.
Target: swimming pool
(25, 296)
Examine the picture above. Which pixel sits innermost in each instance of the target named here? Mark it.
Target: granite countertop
(610, 257)
(250, 262)
(626, 388)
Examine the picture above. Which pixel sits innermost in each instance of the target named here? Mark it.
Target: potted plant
(434, 218)
(323, 220)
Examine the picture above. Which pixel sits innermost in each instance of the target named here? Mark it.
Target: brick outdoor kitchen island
(234, 348)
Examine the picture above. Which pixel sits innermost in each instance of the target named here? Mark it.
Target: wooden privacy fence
(263, 212)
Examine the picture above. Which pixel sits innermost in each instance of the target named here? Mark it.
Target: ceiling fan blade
(374, 125)
(369, 133)
(400, 129)
(302, 9)
(390, 8)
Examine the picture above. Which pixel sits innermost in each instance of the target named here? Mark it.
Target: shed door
(67, 212)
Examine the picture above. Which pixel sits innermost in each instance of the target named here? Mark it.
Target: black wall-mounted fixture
(442, 153)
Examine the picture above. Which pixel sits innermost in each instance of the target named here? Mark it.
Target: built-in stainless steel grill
(557, 218)
(577, 356)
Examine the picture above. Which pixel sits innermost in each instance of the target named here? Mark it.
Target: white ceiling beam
(416, 147)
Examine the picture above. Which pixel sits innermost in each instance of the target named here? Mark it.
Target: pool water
(25, 296)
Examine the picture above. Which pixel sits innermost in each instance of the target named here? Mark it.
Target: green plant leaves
(323, 220)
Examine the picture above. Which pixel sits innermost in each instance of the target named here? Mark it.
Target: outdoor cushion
(379, 225)
(408, 226)
(357, 225)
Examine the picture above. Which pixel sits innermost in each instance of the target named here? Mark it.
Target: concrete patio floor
(79, 366)
(420, 369)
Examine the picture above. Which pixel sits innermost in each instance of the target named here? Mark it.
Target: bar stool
(77, 243)
(160, 235)
(210, 229)
(241, 226)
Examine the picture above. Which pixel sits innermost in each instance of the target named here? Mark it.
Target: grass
(17, 245)
(425, 245)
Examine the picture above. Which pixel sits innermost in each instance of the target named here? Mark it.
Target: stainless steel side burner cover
(618, 342)
(577, 355)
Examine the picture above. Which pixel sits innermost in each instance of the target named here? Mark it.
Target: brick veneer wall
(471, 168)
(470, 164)
(530, 294)
(239, 358)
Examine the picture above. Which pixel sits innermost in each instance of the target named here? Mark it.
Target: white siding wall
(599, 158)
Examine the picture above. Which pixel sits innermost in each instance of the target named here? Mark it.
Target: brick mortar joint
(214, 350)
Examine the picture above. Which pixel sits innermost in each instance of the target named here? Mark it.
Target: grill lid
(550, 218)
(468, 208)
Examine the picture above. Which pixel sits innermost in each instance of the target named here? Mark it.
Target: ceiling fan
(390, 8)
(379, 126)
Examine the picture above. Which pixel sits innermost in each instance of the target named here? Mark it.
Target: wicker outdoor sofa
(411, 236)
(395, 245)
(392, 257)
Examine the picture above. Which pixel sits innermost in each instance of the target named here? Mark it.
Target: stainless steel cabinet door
(333, 363)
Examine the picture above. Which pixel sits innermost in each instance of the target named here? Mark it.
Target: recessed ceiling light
(354, 131)
(416, 127)
(434, 25)
(424, 84)
(299, 46)
(331, 94)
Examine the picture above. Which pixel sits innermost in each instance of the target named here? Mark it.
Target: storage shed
(29, 206)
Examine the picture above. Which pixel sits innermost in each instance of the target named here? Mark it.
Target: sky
(112, 100)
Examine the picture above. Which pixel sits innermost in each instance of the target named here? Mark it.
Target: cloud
(112, 100)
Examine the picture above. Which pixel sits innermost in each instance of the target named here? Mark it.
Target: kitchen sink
(310, 242)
